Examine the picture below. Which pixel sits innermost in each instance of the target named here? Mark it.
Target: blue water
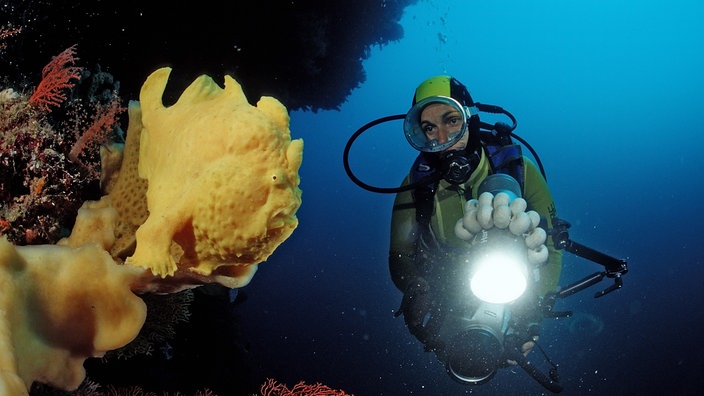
(610, 94)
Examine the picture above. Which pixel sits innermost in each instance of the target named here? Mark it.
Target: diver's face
(440, 120)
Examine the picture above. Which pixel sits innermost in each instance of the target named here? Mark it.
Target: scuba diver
(444, 125)
(470, 197)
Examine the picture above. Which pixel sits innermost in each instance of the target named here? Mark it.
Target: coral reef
(66, 302)
(61, 170)
(40, 190)
(42, 180)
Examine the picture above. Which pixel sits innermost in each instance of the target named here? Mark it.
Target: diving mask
(420, 140)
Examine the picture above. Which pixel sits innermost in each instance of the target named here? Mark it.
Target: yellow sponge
(59, 306)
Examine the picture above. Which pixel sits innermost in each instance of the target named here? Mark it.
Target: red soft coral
(56, 77)
(273, 388)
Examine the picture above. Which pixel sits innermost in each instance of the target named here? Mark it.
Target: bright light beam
(499, 279)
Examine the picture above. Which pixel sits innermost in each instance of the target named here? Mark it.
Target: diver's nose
(443, 133)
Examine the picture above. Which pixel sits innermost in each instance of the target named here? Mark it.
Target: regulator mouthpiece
(456, 166)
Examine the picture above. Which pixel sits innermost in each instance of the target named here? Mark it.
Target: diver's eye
(429, 129)
(453, 121)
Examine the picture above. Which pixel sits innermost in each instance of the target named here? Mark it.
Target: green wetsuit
(449, 201)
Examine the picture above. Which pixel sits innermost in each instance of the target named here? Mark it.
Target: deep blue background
(610, 94)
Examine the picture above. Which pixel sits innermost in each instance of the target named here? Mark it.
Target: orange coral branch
(273, 388)
(5, 32)
(56, 76)
(104, 121)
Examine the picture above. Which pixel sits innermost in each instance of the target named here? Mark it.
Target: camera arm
(613, 267)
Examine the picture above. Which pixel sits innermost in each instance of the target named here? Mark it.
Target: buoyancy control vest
(504, 157)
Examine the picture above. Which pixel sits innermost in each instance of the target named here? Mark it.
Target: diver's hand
(525, 349)
(417, 303)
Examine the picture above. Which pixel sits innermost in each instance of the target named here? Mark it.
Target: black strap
(424, 197)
